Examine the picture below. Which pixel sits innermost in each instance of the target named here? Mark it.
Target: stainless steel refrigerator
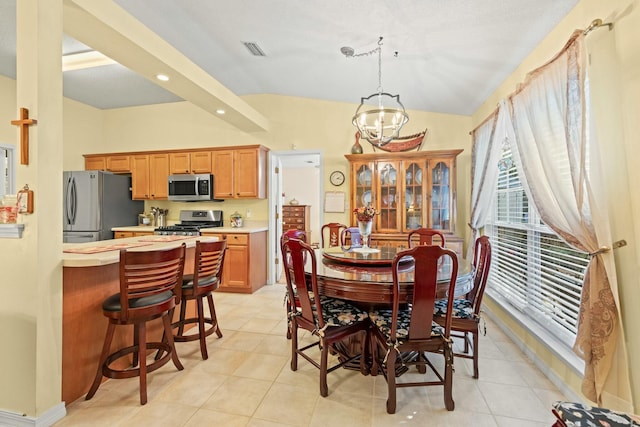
(95, 202)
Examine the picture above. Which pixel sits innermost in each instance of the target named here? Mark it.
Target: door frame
(276, 201)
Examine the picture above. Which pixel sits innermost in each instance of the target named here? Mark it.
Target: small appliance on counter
(191, 221)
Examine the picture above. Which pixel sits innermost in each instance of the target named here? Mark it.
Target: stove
(191, 222)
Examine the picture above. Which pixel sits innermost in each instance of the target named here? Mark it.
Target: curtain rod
(597, 23)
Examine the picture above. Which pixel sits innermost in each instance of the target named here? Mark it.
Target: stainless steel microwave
(191, 188)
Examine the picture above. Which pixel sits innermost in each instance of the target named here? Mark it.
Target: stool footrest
(192, 337)
(134, 372)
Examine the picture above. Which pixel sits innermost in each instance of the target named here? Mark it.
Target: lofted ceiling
(438, 56)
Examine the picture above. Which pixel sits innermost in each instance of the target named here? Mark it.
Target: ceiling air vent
(254, 48)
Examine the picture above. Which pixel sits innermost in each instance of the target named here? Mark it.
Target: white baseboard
(52, 415)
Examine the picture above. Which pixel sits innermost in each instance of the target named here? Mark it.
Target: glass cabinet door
(387, 197)
(413, 207)
(363, 191)
(440, 195)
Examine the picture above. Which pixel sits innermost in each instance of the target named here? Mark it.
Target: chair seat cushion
(113, 302)
(579, 415)
(337, 312)
(382, 319)
(462, 308)
(187, 281)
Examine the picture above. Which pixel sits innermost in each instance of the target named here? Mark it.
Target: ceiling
(438, 56)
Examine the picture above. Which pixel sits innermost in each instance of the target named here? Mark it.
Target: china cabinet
(410, 190)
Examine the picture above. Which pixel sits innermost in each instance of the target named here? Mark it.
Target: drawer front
(293, 227)
(237, 239)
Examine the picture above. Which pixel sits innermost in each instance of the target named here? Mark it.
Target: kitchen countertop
(113, 256)
(247, 229)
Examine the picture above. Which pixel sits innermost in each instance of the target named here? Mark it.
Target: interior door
(279, 201)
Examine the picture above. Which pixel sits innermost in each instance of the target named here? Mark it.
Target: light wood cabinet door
(119, 164)
(246, 169)
(159, 176)
(223, 174)
(179, 163)
(140, 177)
(95, 163)
(236, 268)
(200, 162)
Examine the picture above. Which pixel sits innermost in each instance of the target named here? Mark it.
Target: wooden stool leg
(183, 314)
(169, 334)
(103, 357)
(142, 346)
(201, 333)
(214, 317)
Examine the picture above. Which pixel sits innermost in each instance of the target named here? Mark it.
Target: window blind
(533, 269)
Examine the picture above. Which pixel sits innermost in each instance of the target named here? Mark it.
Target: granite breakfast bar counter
(88, 279)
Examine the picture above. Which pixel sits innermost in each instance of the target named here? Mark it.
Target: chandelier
(380, 116)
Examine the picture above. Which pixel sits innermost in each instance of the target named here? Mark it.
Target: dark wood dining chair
(425, 236)
(206, 277)
(291, 304)
(150, 288)
(333, 233)
(329, 320)
(466, 311)
(403, 335)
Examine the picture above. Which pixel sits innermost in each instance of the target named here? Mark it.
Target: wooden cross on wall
(24, 123)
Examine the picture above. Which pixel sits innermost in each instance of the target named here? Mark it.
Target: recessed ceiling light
(162, 77)
(220, 111)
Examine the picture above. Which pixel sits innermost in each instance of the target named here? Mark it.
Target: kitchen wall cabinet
(95, 163)
(190, 162)
(111, 163)
(240, 173)
(245, 261)
(119, 164)
(410, 190)
(149, 176)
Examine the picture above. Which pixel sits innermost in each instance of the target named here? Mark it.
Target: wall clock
(336, 178)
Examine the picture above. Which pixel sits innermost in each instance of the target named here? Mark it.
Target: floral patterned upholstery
(382, 319)
(579, 415)
(462, 308)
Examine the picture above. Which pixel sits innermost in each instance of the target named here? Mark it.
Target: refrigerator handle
(67, 205)
(74, 200)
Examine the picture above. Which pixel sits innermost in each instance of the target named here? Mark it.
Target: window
(7, 170)
(532, 268)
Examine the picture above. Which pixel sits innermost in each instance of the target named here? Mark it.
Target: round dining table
(365, 276)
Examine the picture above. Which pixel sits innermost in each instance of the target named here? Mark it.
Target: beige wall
(307, 123)
(615, 82)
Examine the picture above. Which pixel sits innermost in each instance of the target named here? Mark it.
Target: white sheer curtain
(484, 175)
(548, 129)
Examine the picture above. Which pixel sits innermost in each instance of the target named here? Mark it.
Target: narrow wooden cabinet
(95, 163)
(410, 190)
(190, 162)
(149, 176)
(125, 234)
(296, 217)
(240, 173)
(245, 261)
(119, 164)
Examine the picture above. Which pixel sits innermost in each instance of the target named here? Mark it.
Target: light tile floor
(247, 381)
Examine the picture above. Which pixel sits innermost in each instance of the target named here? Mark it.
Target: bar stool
(209, 259)
(149, 289)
